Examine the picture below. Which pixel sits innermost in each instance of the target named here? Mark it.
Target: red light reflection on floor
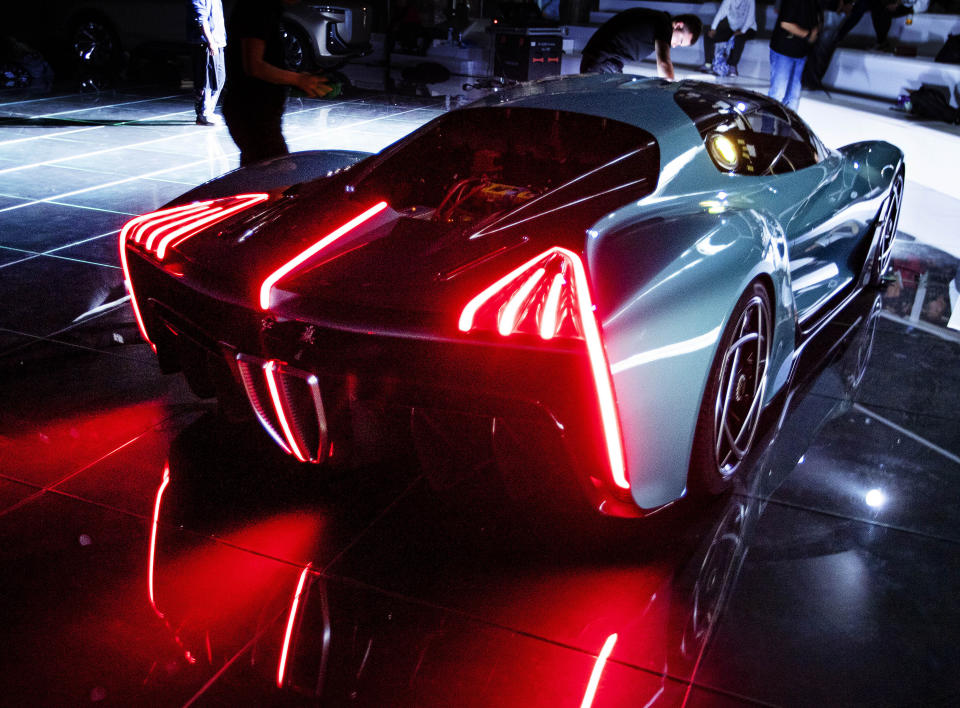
(282, 666)
(597, 671)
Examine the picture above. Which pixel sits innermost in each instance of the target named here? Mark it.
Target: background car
(592, 285)
(99, 34)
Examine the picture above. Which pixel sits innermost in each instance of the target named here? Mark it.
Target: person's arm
(801, 32)
(254, 65)
(200, 17)
(664, 65)
(722, 11)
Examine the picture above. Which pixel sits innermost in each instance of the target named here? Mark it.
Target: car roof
(645, 102)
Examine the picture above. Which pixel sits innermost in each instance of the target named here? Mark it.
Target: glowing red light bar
(170, 227)
(282, 667)
(302, 257)
(269, 368)
(133, 297)
(544, 301)
(153, 537)
(597, 671)
(511, 313)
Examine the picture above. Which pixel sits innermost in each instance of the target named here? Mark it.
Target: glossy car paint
(666, 269)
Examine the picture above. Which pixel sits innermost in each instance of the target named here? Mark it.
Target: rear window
(471, 164)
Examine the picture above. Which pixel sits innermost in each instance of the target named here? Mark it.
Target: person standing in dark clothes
(207, 34)
(254, 101)
(793, 37)
(882, 13)
(635, 34)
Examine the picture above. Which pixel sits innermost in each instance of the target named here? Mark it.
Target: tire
(297, 50)
(887, 221)
(94, 44)
(733, 399)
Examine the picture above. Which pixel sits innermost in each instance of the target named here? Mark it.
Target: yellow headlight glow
(724, 151)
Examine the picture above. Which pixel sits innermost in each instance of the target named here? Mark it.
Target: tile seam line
(57, 162)
(909, 433)
(222, 670)
(72, 94)
(41, 490)
(137, 123)
(496, 625)
(37, 254)
(114, 183)
(59, 258)
(109, 105)
(38, 100)
(37, 338)
(859, 520)
(69, 327)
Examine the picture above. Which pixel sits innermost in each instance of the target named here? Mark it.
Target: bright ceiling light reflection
(876, 498)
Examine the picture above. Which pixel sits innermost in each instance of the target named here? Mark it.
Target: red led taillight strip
(270, 370)
(598, 666)
(153, 537)
(158, 231)
(282, 666)
(526, 302)
(302, 257)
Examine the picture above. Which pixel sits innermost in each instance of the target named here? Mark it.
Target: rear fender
(662, 327)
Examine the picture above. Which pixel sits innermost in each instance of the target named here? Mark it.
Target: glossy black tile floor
(152, 552)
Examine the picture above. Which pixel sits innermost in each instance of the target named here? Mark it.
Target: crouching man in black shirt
(635, 34)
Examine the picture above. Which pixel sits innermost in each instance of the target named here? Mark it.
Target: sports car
(589, 283)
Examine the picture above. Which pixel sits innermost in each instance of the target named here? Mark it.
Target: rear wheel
(887, 230)
(731, 406)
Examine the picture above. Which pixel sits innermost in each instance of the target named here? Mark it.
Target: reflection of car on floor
(598, 279)
(317, 35)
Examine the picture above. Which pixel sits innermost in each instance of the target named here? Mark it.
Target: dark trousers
(590, 64)
(209, 74)
(256, 129)
(881, 17)
(722, 34)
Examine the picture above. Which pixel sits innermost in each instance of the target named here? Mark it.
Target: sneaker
(733, 71)
(211, 119)
(704, 68)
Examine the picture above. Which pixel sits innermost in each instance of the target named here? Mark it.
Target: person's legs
(791, 98)
(257, 133)
(739, 42)
(590, 64)
(720, 65)
(881, 18)
(779, 75)
(859, 8)
(217, 73)
(199, 56)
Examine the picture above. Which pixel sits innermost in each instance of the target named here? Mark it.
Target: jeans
(785, 73)
(209, 74)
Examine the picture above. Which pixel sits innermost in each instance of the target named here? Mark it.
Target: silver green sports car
(589, 285)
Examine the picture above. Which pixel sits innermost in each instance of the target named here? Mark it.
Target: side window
(760, 143)
(748, 134)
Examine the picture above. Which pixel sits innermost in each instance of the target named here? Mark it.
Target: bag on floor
(932, 103)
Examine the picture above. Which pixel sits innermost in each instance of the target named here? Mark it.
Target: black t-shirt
(804, 13)
(255, 19)
(630, 35)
